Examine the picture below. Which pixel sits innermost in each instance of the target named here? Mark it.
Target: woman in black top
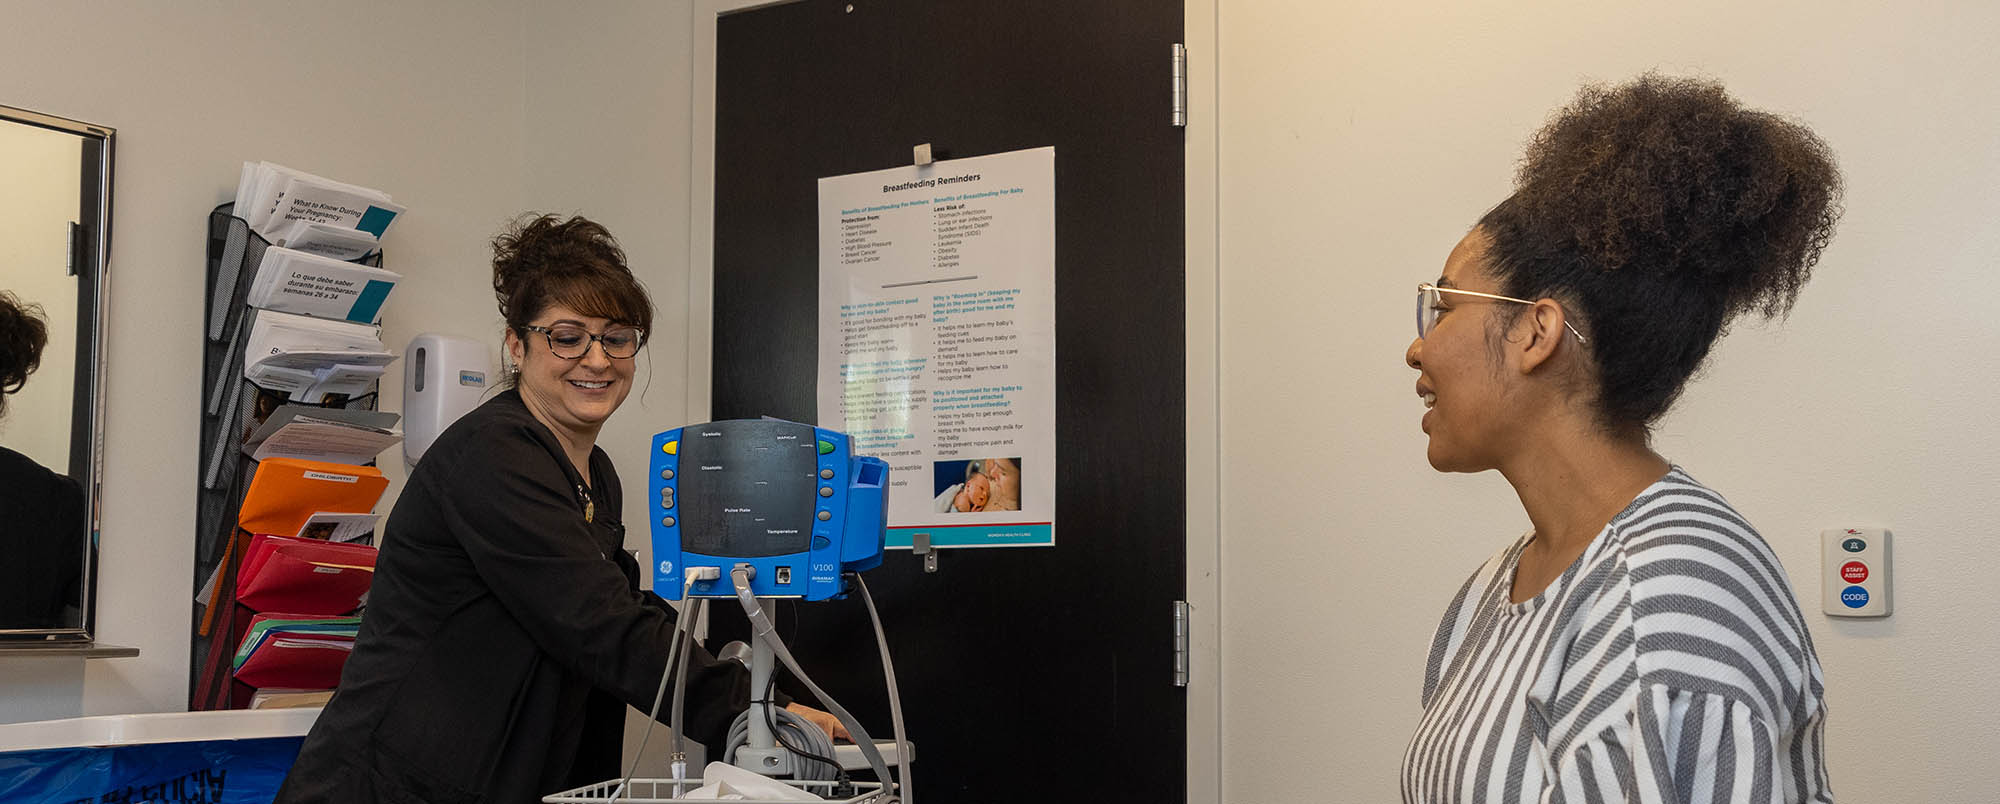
(504, 636)
(42, 525)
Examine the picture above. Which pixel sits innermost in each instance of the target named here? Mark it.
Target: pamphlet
(331, 435)
(336, 527)
(327, 240)
(272, 198)
(294, 281)
(287, 352)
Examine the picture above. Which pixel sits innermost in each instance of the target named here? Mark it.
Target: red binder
(292, 660)
(304, 576)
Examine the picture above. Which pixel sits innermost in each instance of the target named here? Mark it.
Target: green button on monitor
(825, 447)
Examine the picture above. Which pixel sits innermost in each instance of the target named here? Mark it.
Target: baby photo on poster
(979, 484)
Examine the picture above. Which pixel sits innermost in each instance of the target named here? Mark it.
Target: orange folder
(304, 576)
(285, 492)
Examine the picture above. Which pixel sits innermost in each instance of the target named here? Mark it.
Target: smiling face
(1466, 393)
(572, 397)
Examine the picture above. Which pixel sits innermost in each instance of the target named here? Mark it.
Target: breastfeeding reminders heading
(937, 340)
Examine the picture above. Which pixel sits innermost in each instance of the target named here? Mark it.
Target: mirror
(55, 201)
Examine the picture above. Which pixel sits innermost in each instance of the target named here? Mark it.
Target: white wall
(423, 100)
(607, 134)
(39, 168)
(607, 129)
(1360, 140)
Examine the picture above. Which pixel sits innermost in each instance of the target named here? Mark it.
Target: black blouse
(503, 634)
(42, 532)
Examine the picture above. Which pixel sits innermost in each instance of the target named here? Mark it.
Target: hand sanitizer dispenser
(444, 377)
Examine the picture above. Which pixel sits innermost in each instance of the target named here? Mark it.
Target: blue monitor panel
(789, 499)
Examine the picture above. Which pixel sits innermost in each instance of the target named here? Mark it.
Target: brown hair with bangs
(543, 260)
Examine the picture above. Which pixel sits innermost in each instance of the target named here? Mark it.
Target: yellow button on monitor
(671, 448)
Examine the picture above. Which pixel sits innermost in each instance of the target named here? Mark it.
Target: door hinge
(1180, 643)
(75, 247)
(1180, 85)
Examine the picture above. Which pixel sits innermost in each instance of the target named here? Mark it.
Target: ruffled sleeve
(1683, 746)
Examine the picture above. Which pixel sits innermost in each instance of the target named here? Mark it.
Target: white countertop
(172, 727)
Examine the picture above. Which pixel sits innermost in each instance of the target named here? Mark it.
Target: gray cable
(800, 731)
(673, 650)
(680, 670)
(761, 626)
(903, 787)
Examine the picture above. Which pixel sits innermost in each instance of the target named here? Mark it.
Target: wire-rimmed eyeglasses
(572, 342)
(1427, 308)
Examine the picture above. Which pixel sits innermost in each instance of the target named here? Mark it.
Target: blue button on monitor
(1854, 597)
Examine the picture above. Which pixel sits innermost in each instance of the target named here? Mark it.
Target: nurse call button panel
(789, 499)
(1855, 572)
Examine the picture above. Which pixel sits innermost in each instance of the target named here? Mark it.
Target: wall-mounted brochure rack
(231, 408)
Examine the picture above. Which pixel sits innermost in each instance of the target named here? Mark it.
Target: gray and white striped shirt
(1670, 663)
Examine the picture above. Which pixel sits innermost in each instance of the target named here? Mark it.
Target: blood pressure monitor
(791, 500)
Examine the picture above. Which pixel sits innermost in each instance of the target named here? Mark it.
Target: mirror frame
(91, 259)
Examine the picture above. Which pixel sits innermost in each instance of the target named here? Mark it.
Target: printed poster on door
(937, 346)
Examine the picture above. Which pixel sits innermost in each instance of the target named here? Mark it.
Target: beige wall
(423, 100)
(39, 169)
(607, 133)
(1358, 141)
(607, 137)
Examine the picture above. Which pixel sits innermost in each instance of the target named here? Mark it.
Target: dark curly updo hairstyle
(1657, 211)
(23, 334)
(543, 260)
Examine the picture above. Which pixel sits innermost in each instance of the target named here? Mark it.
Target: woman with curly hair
(1642, 642)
